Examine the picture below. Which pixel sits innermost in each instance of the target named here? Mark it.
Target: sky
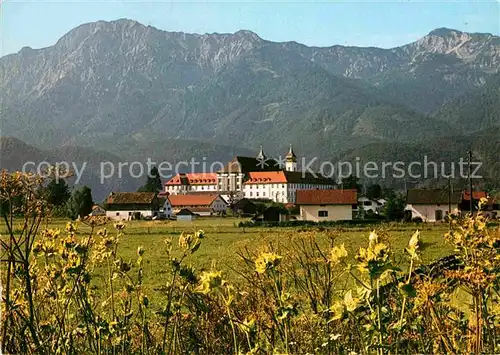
(40, 23)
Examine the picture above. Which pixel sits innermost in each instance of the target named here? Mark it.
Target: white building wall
(428, 212)
(127, 214)
(335, 212)
(219, 205)
(167, 209)
(279, 192)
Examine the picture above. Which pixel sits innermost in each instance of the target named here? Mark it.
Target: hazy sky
(39, 23)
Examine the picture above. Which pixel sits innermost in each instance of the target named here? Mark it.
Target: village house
(272, 214)
(209, 204)
(490, 209)
(432, 205)
(194, 182)
(368, 205)
(327, 205)
(131, 205)
(166, 210)
(244, 207)
(252, 178)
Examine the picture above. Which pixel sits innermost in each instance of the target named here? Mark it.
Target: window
(251, 193)
(257, 194)
(117, 213)
(322, 213)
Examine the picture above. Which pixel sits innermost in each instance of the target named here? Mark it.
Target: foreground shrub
(66, 292)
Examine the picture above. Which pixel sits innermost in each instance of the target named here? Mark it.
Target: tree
(57, 192)
(395, 207)
(374, 191)
(81, 203)
(153, 182)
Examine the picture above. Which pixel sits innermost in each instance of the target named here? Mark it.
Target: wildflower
(483, 201)
(413, 245)
(337, 310)
(350, 302)
(71, 227)
(140, 250)
(337, 254)
(185, 241)
(119, 225)
(414, 240)
(210, 281)
(102, 232)
(267, 261)
(248, 325)
(373, 238)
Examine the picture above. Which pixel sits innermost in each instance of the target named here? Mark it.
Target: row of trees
(68, 203)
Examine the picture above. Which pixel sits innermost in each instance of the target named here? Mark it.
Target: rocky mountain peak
(443, 32)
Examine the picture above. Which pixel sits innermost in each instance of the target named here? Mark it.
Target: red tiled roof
(283, 177)
(192, 199)
(327, 197)
(193, 179)
(266, 177)
(476, 195)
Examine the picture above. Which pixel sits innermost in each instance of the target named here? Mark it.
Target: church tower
(291, 160)
(261, 156)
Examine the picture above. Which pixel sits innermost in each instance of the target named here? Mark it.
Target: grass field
(224, 239)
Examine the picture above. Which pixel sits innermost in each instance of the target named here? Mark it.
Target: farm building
(204, 204)
(165, 207)
(327, 205)
(186, 215)
(432, 205)
(244, 207)
(131, 205)
(272, 214)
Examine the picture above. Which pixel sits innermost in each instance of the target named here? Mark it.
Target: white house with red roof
(282, 186)
(209, 204)
(327, 205)
(194, 182)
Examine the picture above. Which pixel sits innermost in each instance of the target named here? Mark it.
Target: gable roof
(327, 197)
(185, 212)
(432, 197)
(130, 198)
(193, 179)
(192, 199)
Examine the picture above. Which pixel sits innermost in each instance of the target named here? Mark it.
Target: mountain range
(131, 91)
